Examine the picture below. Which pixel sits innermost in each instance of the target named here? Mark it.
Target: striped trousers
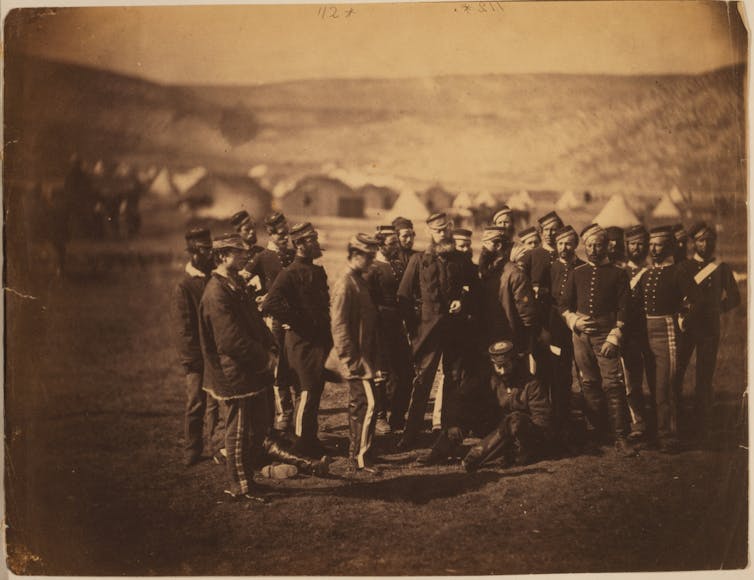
(663, 347)
(361, 419)
(247, 421)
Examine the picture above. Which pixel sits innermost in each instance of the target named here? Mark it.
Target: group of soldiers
(260, 335)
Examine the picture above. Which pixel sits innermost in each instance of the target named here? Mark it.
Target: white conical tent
(616, 213)
(677, 197)
(462, 201)
(569, 200)
(666, 209)
(485, 198)
(162, 185)
(409, 206)
(521, 201)
(187, 179)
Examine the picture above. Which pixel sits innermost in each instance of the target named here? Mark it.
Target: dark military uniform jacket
(597, 290)
(523, 393)
(185, 315)
(560, 334)
(667, 289)
(437, 278)
(238, 348)
(636, 322)
(492, 316)
(268, 263)
(300, 298)
(717, 290)
(520, 323)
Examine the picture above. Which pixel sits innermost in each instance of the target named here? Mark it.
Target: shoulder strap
(702, 274)
(636, 277)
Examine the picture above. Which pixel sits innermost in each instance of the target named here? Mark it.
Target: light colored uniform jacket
(354, 327)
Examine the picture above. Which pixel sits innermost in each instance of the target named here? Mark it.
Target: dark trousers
(307, 361)
(396, 360)
(361, 419)
(199, 403)
(638, 362)
(441, 343)
(663, 344)
(285, 380)
(704, 338)
(561, 382)
(516, 439)
(602, 384)
(247, 422)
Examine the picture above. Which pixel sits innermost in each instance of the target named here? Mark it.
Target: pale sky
(259, 44)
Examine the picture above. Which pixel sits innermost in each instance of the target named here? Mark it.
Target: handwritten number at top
(329, 11)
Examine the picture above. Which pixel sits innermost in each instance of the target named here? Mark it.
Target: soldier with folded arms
(718, 294)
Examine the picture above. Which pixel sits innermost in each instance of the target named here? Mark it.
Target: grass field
(96, 485)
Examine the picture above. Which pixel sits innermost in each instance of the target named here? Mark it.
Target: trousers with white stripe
(663, 345)
(361, 419)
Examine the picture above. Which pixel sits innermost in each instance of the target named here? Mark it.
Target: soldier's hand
(285, 326)
(586, 325)
(609, 350)
(455, 307)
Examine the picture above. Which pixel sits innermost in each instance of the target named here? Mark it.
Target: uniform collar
(633, 264)
(380, 258)
(669, 261)
(194, 272)
(226, 279)
(548, 248)
(273, 246)
(604, 262)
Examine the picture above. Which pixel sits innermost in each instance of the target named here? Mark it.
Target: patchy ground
(96, 486)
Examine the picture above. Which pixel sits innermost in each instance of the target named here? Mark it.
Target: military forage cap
(678, 232)
(701, 230)
(614, 233)
(501, 351)
(661, 232)
(384, 230)
(566, 232)
(240, 218)
(462, 234)
(198, 238)
(505, 210)
(231, 241)
(363, 243)
(302, 231)
(637, 232)
(530, 232)
(549, 217)
(593, 230)
(492, 233)
(438, 221)
(401, 223)
(274, 221)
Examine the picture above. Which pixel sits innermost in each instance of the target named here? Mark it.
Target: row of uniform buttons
(653, 278)
(591, 288)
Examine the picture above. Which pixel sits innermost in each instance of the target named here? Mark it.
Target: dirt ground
(95, 483)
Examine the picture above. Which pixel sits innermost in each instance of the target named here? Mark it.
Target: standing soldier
(718, 293)
(392, 388)
(241, 355)
(443, 280)
(355, 341)
(404, 229)
(594, 305)
(529, 238)
(561, 337)
(668, 296)
(462, 241)
(520, 323)
(186, 298)
(616, 250)
(267, 265)
(636, 355)
(491, 264)
(300, 300)
(246, 227)
(681, 251)
(504, 219)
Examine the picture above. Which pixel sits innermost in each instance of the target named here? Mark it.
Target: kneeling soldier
(523, 434)
(355, 336)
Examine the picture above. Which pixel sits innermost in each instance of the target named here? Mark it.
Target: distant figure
(80, 199)
(132, 197)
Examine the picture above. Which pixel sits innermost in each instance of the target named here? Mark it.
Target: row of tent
(215, 195)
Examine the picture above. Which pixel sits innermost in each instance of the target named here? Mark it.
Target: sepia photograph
(382, 289)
